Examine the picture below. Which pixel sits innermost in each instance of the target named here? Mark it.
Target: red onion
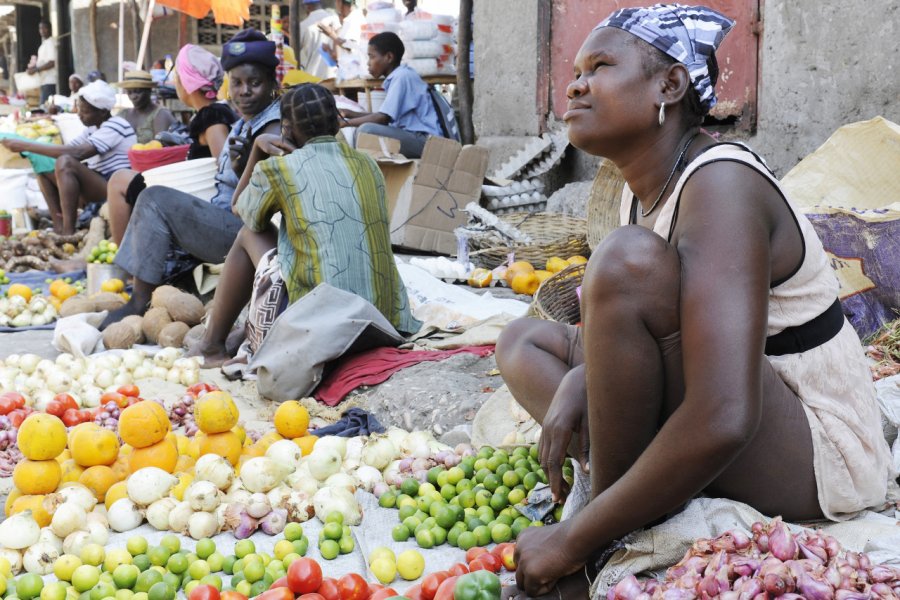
(814, 553)
(246, 527)
(813, 589)
(406, 464)
(882, 590)
(750, 588)
(850, 595)
(882, 574)
(274, 522)
(627, 589)
(782, 544)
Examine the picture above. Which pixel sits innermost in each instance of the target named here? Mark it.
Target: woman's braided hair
(310, 108)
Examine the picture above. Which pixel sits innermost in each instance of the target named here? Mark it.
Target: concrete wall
(823, 64)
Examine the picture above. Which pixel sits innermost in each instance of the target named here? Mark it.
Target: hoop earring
(662, 114)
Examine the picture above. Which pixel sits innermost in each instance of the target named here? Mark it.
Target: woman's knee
(67, 163)
(519, 339)
(631, 260)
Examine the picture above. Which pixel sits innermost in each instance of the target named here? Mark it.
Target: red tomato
(198, 389)
(16, 417)
(478, 565)
(55, 408)
(445, 591)
(383, 593)
(414, 593)
(432, 582)
(131, 391)
(119, 399)
(312, 596)
(280, 582)
(85, 416)
(304, 576)
(66, 400)
(279, 593)
(508, 557)
(12, 399)
(492, 563)
(473, 553)
(458, 569)
(329, 589)
(353, 587)
(232, 595)
(204, 592)
(71, 417)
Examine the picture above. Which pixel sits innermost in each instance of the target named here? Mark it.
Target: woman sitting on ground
(84, 165)
(148, 118)
(198, 76)
(334, 226)
(714, 356)
(407, 113)
(165, 218)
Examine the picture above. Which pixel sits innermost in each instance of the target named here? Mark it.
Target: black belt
(811, 334)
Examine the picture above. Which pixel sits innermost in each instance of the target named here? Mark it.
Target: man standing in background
(45, 65)
(314, 59)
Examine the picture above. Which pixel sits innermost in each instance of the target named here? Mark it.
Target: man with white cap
(85, 164)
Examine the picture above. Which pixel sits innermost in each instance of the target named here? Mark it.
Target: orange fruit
(89, 425)
(520, 266)
(98, 479)
(185, 463)
(55, 286)
(543, 275)
(226, 444)
(94, 447)
(184, 481)
(37, 476)
(576, 260)
(215, 412)
(525, 283)
(19, 289)
(556, 264)
(480, 278)
(14, 494)
(33, 503)
(144, 424)
(41, 436)
(56, 302)
(306, 443)
(162, 454)
(240, 432)
(116, 491)
(71, 471)
(291, 419)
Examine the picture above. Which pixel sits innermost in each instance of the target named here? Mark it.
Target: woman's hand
(274, 145)
(543, 558)
(238, 151)
(566, 416)
(14, 145)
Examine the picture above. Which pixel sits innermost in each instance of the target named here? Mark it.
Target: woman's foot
(126, 310)
(67, 265)
(213, 354)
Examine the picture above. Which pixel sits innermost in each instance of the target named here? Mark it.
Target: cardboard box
(426, 198)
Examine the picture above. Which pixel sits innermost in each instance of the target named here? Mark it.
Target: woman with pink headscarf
(198, 76)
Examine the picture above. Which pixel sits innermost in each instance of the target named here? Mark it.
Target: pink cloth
(198, 69)
(376, 366)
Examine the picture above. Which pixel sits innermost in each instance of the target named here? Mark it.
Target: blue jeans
(411, 142)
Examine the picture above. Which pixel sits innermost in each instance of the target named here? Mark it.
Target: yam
(136, 323)
(184, 307)
(119, 335)
(76, 305)
(153, 323)
(172, 335)
(158, 299)
(107, 301)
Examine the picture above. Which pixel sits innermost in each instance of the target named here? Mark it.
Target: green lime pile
(335, 537)
(3, 278)
(103, 253)
(471, 504)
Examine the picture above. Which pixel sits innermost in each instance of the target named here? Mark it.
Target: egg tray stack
(549, 234)
(526, 192)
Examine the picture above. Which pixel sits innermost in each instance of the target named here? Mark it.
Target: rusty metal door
(572, 20)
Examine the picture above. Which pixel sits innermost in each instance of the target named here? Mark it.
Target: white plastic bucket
(377, 98)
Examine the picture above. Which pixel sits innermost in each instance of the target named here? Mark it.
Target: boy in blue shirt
(407, 113)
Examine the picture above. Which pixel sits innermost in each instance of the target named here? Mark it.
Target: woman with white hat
(147, 117)
(85, 164)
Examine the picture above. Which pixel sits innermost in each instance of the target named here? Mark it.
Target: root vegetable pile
(35, 250)
(773, 563)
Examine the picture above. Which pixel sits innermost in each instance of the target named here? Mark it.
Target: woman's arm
(265, 145)
(215, 137)
(379, 118)
(164, 119)
(81, 151)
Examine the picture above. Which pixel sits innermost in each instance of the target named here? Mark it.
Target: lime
(29, 586)
(243, 548)
(442, 479)
(293, 532)
(515, 496)
(332, 531)
(424, 503)
(520, 524)
(103, 590)
(300, 546)
(335, 517)
(287, 560)
(258, 588)
(453, 536)
(346, 544)
(64, 566)
(205, 547)
(410, 565)
(411, 523)
(433, 473)
(410, 486)
(466, 498)
(228, 564)
(491, 482)
(92, 554)
(499, 501)
(171, 542)
(216, 561)
(253, 572)
(124, 595)
(501, 533)
(455, 475)
(405, 500)
(446, 517)
(200, 569)
(213, 580)
(384, 570)
(426, 488)
(448, 492)
(189, 587)
(406, 511)
(139, 596)
(425, 539)
(282, 549)
(85, 577)
(468, 467)
(136, 544)
(141, 561)
(511, 479)
(172, 580)
(400, 533)
(329, 549)
(482, 498)
(161, 591)
(482, 535)
(125, 576)
(243, 588)
(159, 555)
(177, 563)
(439, 534)
(387, 500)
(54, 591)
(147, 580)
(485, 452)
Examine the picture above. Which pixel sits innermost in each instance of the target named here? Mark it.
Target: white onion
(14, 557)
(147, 485)
(39, 558)
(368, 477)
(48, 537)
(379, 452)
(261, 474)
(124, 515)
(342, 480)
(178, 518)
(20, 530)
(203, 495)
(258, 506)
(98, 532)
(323, 463)
(27, 363)
(74, 542)
(203, 525)
(417, 444)
(67, 518)
(214, 468)
(330, 499)
(285, 452)
(332, 442)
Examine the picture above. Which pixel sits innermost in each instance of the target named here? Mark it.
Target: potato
(107, 301)
(172, 335)
(120, 335)
(161, 293)
(76, 305)
(184, 307)
(153, 323)
(136, 323)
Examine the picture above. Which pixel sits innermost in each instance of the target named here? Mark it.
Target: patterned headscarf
(311, 109)
(689, 34)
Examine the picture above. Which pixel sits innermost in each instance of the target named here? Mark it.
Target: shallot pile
(108, 416)
(182, 413)
(773, 563)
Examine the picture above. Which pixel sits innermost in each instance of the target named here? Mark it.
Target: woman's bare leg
(119, 210)
(47, 183)
(233, 292)
(76, 181)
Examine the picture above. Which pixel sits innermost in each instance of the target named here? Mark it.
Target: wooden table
(367, 85)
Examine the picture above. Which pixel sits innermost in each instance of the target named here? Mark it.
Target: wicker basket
(603, 203)
(551, 235)
(557, 299)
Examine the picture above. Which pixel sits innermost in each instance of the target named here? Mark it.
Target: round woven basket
(551, 235)
(557, 297)
(603, 203)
